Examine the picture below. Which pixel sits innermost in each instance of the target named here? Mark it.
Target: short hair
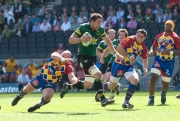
(111, 30)
(123, 30)
(95, 16)
(143, 31)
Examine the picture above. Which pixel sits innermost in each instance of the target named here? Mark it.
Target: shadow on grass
(81, 113)
(45, 112)
(163, 105)
(122, 109)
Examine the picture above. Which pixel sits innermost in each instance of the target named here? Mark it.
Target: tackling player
(47, 78)
(129, 48)
(163, 63)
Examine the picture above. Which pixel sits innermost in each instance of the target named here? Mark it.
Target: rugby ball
(88, 42)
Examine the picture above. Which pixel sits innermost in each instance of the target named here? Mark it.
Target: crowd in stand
(16, 18)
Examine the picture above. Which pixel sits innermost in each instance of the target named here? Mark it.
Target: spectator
(57, 27)
(132, 24)
(130, 14)
(43, 62)
(83, 10)
(157, 10)
(24, 19)
(175, 16)
(60, 49)
(74, 25)
(111, 9)
(45, 26)
(19, 32)
(114, 19)
(10, 67)
(31, 65)
(36, 27)
(66, 25)
(73, 9)
(122, 24)
(27, 27)
(23, 79)
(7, 5)
(46, 14)
(124, 1)
(2, 76)
(149, 17)
(138, 8)
(27, 6)
(119, 13)
(49, 19)
(19, 70)
(9, 16)
(2, 21)
(81, 16)
(17, 25)
(159, 17)
(129, 7)
(139, 17)
(34, 18)
(35, 71)
(6, 32)
(104, 11)
(166, 16)
(64, 15)
(42, 10)
(1, 7)
(92, 10)
(167, 9)
(54, 13)
(110, 24)
(55, 20)
(17, 9)
(65, 11)
(103, 23)
(73, 15)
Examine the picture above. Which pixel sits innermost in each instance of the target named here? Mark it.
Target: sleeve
(100, 46)
(79, 31)
(102, 32)
(144, 55)
(68, 68)
(155, 43)
(19, 78)
(177, 42)
(127, 42)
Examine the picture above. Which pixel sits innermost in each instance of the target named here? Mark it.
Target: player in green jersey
(87, 56)
(122, 34)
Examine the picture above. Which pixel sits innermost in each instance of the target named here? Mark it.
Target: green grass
(82, 107)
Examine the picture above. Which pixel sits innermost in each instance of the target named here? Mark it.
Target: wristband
(171, 52)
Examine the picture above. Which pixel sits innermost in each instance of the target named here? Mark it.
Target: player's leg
(103, 71)
(11, 77)
(27, 89)
(47, 95)
(133, 78)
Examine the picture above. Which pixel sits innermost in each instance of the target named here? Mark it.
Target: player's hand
(102, 60)
(165, 52)
(118, 56)
(150, 53)
(86, 38)
(145, 71)
(132, 60)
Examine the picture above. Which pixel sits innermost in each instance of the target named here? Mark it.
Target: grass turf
(82, 107)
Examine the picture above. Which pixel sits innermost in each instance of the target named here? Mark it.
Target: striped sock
(130, 92)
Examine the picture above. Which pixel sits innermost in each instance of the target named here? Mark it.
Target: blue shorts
(165, 67)
(118, 70)
(38, 82)
(9, 73)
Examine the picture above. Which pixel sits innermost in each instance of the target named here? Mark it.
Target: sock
(21, 93)
(163, 92)
(43, 102)
(100, 94)
(78, 85)
(105, 86)
(97, 84)
(151, 97)
(130, 92)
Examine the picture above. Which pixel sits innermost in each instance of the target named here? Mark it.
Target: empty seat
(82, 2)
(22, 56)
(22, 50)
(68, 33)
(65, 2)
(50, 34)
(153, 26)
(21, 45)
(40, 34)
(50, 39)
(4, 56)
(59, 34)
(31, 39)
(41, 45)
(148, 4)
(154, 31)
(32, 55)
(29, 45)
(4, 50)
(41, 39)
(13, 40)
(13, 45)
(5, 40)
(143, 26)
(41, 50)
(13, 50)
(41, 55)
(31, 50)
(50, 50)
(31, 34)
(48, 45)
(22, 40)
(3, 45)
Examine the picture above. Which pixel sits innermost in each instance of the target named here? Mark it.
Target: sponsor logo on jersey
(156, 64)
(120, 72)
(35, 82)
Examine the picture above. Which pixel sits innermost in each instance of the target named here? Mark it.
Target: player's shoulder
(160, 34)
(130, 38)
(175, 35)
(84, 25)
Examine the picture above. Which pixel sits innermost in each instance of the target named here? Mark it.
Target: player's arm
(72, 78)
(99, 49)
(105, 52)
(109, 43)
(74, 39)
(145, 59)
(58, 57)
(154, 47)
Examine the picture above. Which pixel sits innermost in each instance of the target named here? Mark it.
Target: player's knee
(95, 72)
(111, 85)
(154, 77)
(97, 75)
(88, 85)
